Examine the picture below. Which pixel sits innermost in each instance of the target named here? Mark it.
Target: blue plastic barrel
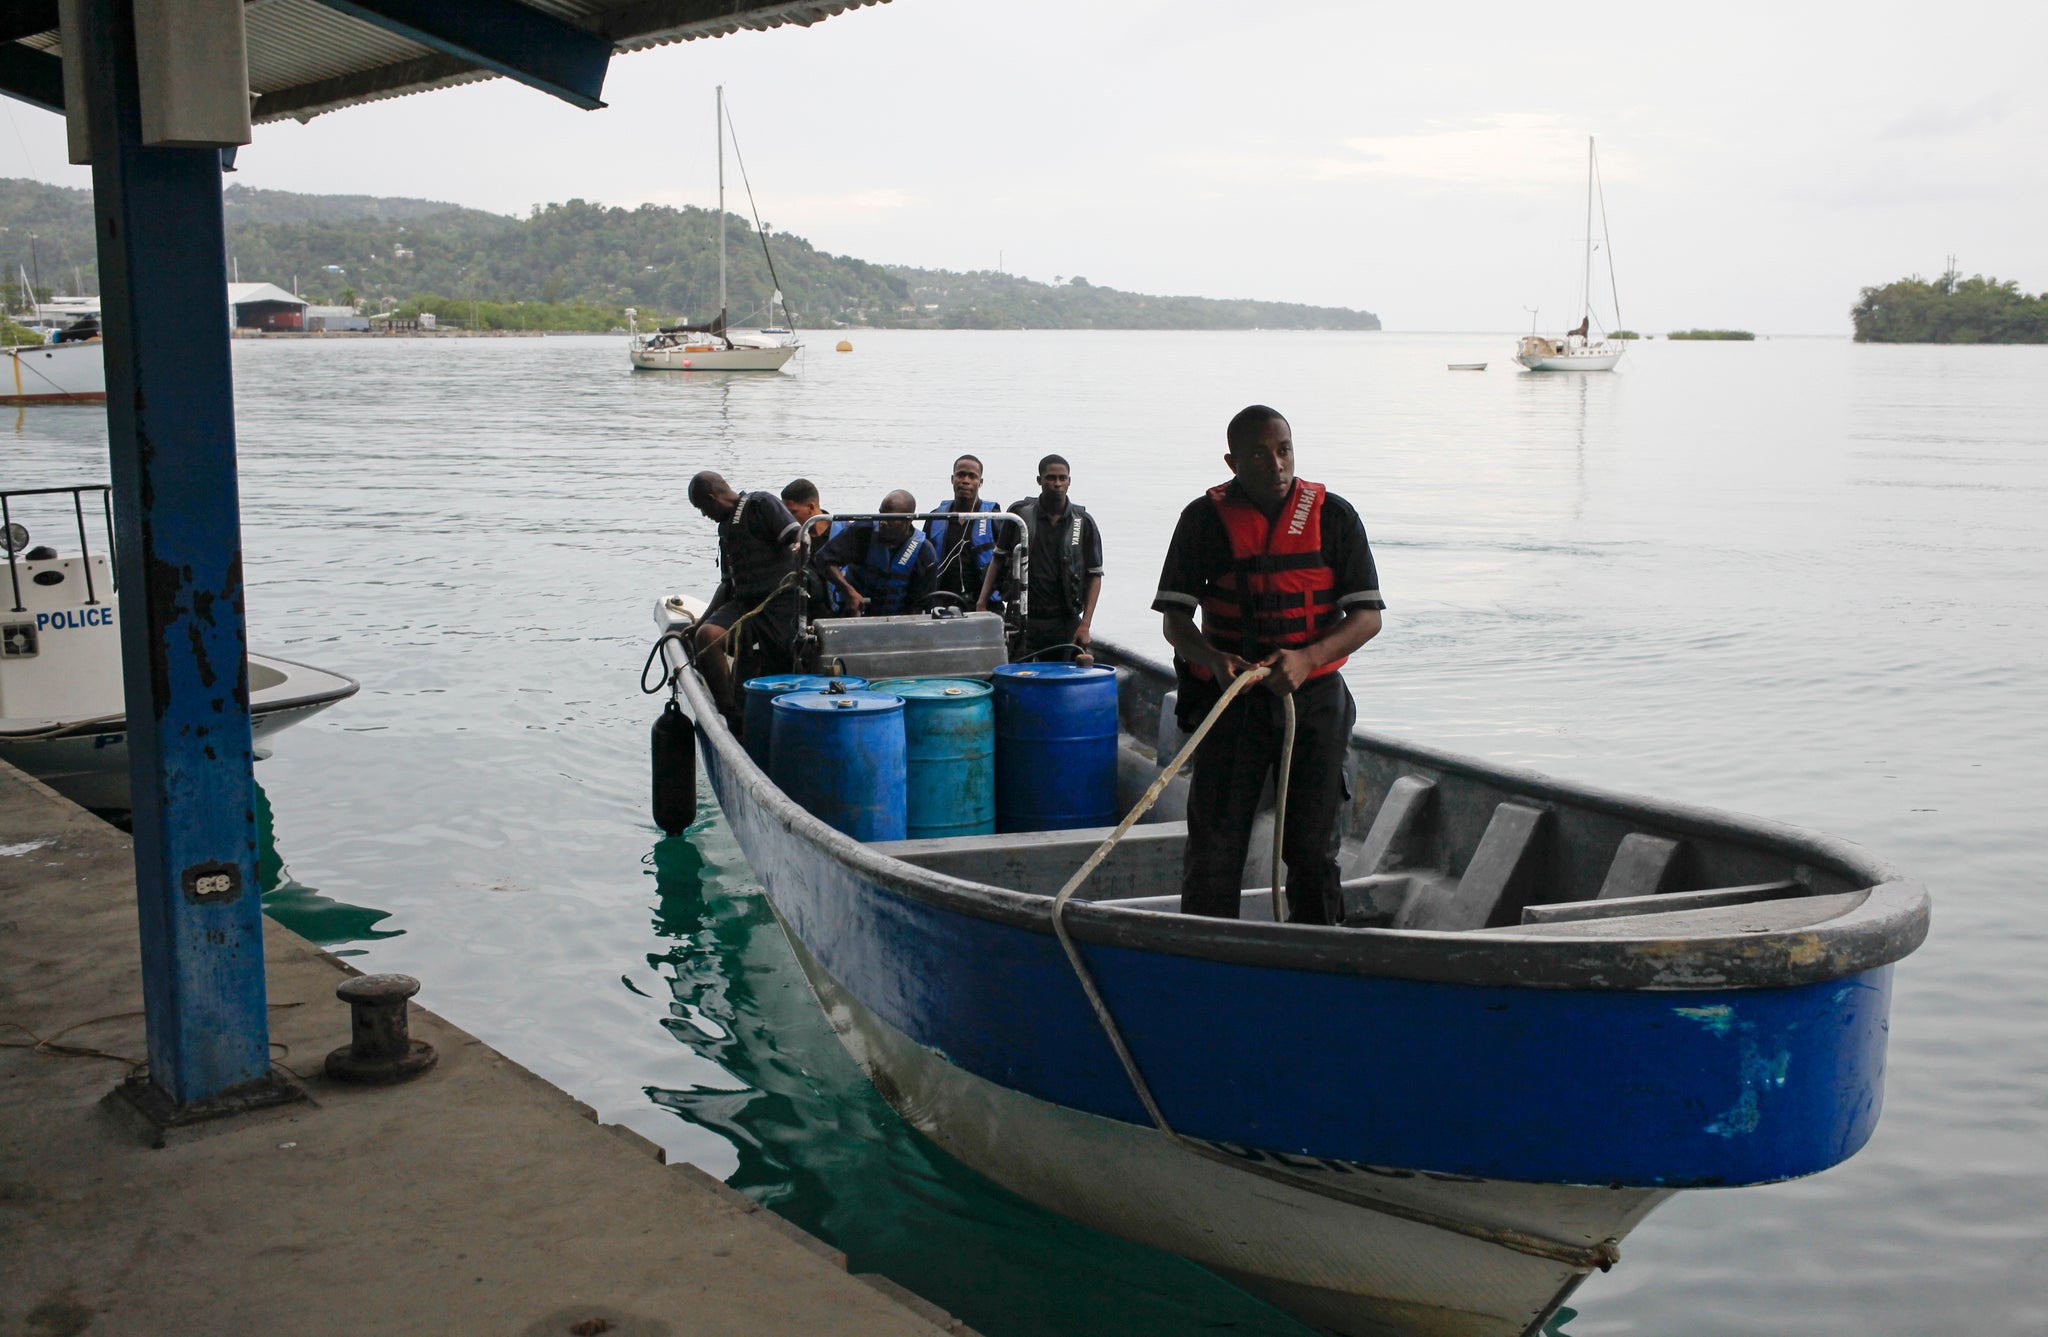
(949, 727)
(1056, 727)
(759, 722)
(840, 757)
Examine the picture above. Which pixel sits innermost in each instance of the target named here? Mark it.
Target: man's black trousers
(1044, 634)
(1231, 768)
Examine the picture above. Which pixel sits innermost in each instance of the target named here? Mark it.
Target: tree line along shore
(577, 267)
(1951, 310)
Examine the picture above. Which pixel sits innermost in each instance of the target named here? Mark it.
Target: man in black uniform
(1066, 567)
(1283, 575)
(756, 551)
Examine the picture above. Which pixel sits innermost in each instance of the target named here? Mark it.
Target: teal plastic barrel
(759, 723)
(840, 757)
(1056, 727)
(949, 727)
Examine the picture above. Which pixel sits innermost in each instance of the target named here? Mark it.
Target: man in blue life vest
(756, 556)
(801, 496)
(1283, 576)
(882, 568)
(965, 547)
(1066, 567)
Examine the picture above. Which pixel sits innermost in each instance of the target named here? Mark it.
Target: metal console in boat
(945, 642)
(1548, 1009)
(62, 710)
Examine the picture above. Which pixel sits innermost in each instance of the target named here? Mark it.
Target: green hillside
(390, 252)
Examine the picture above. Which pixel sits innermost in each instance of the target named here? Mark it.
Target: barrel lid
(778, 683)
(933, 688)
(1050, 674)
(852, 703)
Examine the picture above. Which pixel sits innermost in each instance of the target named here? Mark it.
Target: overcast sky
(1762, 161)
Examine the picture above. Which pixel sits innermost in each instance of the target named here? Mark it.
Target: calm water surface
(1798, 578)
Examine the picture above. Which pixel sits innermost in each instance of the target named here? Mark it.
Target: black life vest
(1068, 556)
(1279, 593)
(752, 565)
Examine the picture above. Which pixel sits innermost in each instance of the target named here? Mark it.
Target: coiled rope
(1583, 1257)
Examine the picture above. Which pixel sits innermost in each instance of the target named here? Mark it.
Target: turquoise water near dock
(1798, 578)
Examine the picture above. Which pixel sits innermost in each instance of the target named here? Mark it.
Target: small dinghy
(1468, 366)
(1548, 1008)
(62, 715)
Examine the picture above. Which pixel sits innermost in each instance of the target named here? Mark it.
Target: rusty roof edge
(303, 102)
(636, 27)
(652, 23)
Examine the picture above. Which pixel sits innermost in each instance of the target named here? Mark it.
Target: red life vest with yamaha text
(1279, 593)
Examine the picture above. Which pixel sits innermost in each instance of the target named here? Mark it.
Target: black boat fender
(672, 743)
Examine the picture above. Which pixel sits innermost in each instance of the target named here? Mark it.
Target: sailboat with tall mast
(1578, 349)
(711, 346)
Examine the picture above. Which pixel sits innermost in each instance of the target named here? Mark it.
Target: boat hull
(73, 373)
(1376, 1142)
(1577, 361)
(89, 765)
(1650, 1088)
(1340, 1265)
(716, 359)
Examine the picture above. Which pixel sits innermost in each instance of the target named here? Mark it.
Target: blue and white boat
(1549, 1008)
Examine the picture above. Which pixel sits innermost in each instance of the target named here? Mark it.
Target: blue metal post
(171, 434)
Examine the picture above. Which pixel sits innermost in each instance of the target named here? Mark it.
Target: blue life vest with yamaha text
(826, 592)
(980, 540)
(884, 577)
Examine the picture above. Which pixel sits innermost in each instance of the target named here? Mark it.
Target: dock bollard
(381, 1049)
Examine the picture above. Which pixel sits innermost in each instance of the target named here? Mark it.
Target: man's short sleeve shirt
(768, 519)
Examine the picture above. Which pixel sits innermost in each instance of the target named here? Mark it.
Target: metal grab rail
(1020, 552)
(7, 498)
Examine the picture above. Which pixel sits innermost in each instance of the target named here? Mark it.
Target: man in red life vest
(1283, 576)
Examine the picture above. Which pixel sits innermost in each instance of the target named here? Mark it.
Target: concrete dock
(473, 1199)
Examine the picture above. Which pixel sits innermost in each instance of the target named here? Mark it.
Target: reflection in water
(320, 919)
(818, 1145)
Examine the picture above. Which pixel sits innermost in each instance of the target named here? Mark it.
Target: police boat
(62, 712)
(1548, 1007)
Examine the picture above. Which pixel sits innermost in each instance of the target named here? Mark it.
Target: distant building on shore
(335, 318)
(265, 306)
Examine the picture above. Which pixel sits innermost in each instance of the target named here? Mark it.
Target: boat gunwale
(260, 706)
(1887, 924)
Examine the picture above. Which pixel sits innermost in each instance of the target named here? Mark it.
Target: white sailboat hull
(1591, 359)
(690, 358)
(74, 373)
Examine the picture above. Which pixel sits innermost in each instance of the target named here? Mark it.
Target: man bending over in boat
(1283, 576)
(882, 568)
(756, 560)
(801, 496)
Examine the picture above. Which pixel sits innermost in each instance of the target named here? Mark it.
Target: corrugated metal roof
(241, 293)
(306, 59)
